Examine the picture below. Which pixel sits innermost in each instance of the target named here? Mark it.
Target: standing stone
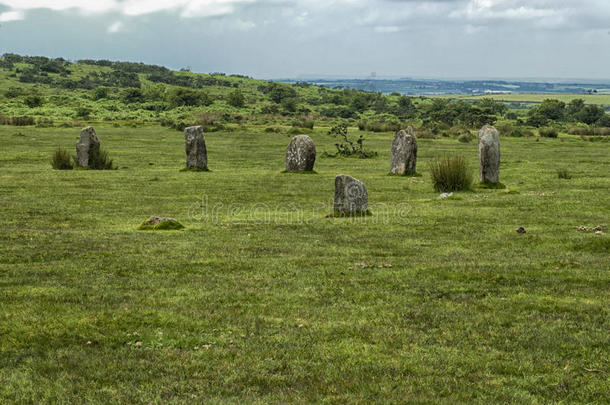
(350, 195)
(300, 154)
(86, 145)
(194, 144)
(404, 152)
(489, 155)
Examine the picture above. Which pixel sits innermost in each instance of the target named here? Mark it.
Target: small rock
(521, 230)
(160, 223)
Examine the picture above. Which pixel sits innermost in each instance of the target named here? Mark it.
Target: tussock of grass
(100, 160)
(451, 174)
(61, 160)
(564, 173)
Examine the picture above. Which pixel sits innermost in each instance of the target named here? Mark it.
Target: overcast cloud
(288, 38)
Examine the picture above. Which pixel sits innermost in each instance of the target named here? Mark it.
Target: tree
(132, 95)
(590, 114)
(236, 99)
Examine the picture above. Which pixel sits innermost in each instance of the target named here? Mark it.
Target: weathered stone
(489, 155)
(300, 154)
(160, 223)
(350, 195)
(86, 145)
(404, 152)
(196, 152)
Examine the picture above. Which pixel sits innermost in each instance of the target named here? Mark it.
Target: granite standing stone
(404, 152)
(86, 145)
(194, 144)
(350, 195)
(489, 155)
(300, 154)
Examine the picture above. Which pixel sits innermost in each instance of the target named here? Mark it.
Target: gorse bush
(548, 132)
(61, 160)
(99, 160)
(451, 174)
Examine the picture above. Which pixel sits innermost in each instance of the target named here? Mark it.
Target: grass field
(264, 299)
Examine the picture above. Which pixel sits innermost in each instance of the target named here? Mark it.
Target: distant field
(600, 99)
(263, 299)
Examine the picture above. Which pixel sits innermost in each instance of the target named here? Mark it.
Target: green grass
(264, 299)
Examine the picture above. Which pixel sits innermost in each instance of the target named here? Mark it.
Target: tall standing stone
(196, 152)
(351, 196)
(489, 155)
(300, 154)
(86, 145)
(403, 158)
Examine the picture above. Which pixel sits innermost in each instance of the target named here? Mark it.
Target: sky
(445, 39)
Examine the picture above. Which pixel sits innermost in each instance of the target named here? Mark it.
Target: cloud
(11, 16)
(115, 27)
(186, 8)
(388, 29)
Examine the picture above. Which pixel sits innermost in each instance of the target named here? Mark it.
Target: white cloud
(11, 16)
(388, 29)
(115, 27)
(186, 8)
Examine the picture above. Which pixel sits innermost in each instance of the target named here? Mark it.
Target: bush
(61, 160)
(451, 174)
(347, 147)
(548, 132)
(563, 173)
(303, 123)
(465, 138)
(236, 99)
(33, 101)
(99, 160)
(17, 121)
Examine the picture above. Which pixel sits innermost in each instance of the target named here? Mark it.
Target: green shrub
(17, 121)
(236, 99)
(465, 138)
(563, 173)
(548, 132)
(347, 147)
(61, 160)
(99, 160)
(33, 101)
(303, 123)
(451, 174)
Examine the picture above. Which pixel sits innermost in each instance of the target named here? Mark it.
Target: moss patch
(160, 224)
